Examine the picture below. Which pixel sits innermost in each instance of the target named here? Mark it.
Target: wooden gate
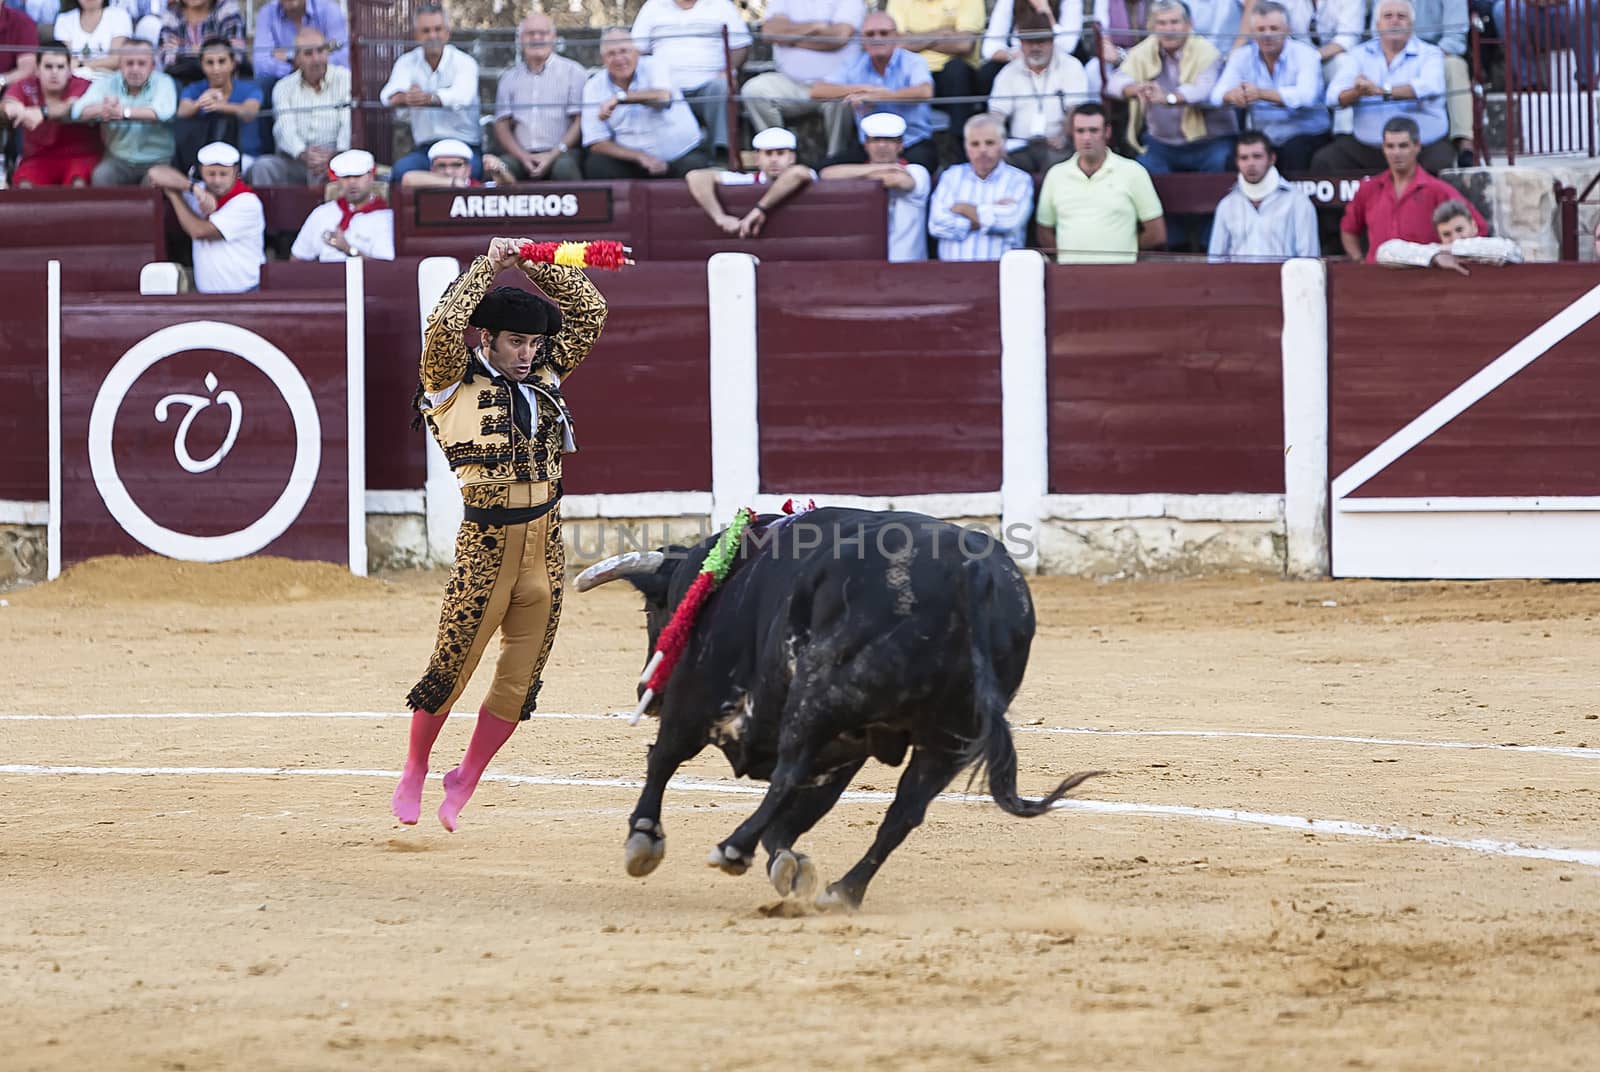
(1465, 444)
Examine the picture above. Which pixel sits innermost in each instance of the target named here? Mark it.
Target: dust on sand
(285, 921)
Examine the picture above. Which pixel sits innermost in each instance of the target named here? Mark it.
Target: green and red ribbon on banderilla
(674, 638)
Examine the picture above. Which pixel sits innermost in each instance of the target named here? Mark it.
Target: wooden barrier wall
(1165, 377)
(879, 379)
(659, 220)
(24, 386)
(1403, 341)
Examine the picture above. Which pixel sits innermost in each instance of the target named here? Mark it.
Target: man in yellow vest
(497, 412)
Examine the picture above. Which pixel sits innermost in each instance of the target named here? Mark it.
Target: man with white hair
(1394, 75)
(536, 105)
(980, 209)
(1446, 23)
(222, 217)
(1278, 80)
(435, 89)
(136, 106)
(358, 223)
(779, 171)
(883, 140)
(636, 124)
(450, 164)
(1167, 79)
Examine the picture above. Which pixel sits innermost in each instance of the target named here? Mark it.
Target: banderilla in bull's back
(831, 637)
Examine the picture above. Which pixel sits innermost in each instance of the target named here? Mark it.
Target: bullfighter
(497, 411)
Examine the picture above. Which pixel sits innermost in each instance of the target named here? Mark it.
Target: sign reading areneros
(540, 206)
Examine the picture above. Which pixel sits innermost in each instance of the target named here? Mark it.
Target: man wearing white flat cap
(222, 217)
(775, 152)
(450, 164)
(358, 223)
(883, 135)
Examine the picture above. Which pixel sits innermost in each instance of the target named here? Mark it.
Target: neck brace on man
(1258, 191)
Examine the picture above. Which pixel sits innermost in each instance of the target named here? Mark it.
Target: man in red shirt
(55, 150)
(18, 38)
(1400, 202)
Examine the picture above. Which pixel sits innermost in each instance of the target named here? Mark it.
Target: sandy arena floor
(267, 913)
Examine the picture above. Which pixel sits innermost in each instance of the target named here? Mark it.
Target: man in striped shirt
(980, 209)
(312, 110)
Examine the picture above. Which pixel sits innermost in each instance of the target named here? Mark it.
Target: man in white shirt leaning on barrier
(779, 171)
(1459, 241)
(908, 184)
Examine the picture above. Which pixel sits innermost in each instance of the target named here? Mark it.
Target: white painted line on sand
(1396, 742)
(1332, 827)
(1566, 751)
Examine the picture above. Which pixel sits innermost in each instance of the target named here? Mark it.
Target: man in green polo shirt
(136, 106)
(1097, 207)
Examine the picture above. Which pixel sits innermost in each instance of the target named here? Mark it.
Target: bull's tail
(992, 749)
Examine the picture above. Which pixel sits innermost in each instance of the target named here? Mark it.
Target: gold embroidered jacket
(473, 424)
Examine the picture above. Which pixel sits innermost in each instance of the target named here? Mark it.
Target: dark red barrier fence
(24, 386)
(1392, 355)
(106, 235)
(200, 440)
(641, 400)
(1165, 378)
(879, 379)
(396, 454)
(659, 220)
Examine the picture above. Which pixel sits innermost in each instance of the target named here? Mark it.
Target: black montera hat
(514, 309)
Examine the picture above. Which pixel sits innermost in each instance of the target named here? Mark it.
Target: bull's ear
(656, 585)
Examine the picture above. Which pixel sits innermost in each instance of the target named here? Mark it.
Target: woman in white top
(95, 34)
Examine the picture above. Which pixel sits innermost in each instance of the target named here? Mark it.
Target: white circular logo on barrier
(276, 366)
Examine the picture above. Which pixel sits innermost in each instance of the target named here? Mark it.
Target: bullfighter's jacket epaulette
(475, 425)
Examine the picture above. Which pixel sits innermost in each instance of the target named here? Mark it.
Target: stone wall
(1101, 549)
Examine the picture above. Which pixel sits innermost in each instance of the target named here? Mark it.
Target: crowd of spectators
(989, 129)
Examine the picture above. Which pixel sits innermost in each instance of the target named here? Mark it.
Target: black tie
(520, 415)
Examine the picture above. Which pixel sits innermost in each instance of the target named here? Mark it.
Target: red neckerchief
(346, 213)
(238, 188)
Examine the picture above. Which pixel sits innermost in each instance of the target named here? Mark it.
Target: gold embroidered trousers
(506, 578)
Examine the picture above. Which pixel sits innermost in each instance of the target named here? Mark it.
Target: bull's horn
(623, 565)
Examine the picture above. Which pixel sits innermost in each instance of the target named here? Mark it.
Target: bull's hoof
(728, 859)
(792, 874)
(645, 848)
(837, 899)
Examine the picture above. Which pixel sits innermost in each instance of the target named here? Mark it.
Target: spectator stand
(1549, 81)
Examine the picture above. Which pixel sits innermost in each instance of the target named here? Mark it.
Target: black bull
(838, 636)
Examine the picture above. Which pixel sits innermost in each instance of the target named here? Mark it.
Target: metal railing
(1550, 79)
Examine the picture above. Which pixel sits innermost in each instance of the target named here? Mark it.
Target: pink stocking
(407, 801)
(490, 734)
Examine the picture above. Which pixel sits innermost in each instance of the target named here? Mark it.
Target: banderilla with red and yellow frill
(602, 254)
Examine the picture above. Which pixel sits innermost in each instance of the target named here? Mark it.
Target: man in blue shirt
(981, 208)
(276, 24)
(1279, 81)
(1395, 74)
(1263, 218)
(885, 78)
